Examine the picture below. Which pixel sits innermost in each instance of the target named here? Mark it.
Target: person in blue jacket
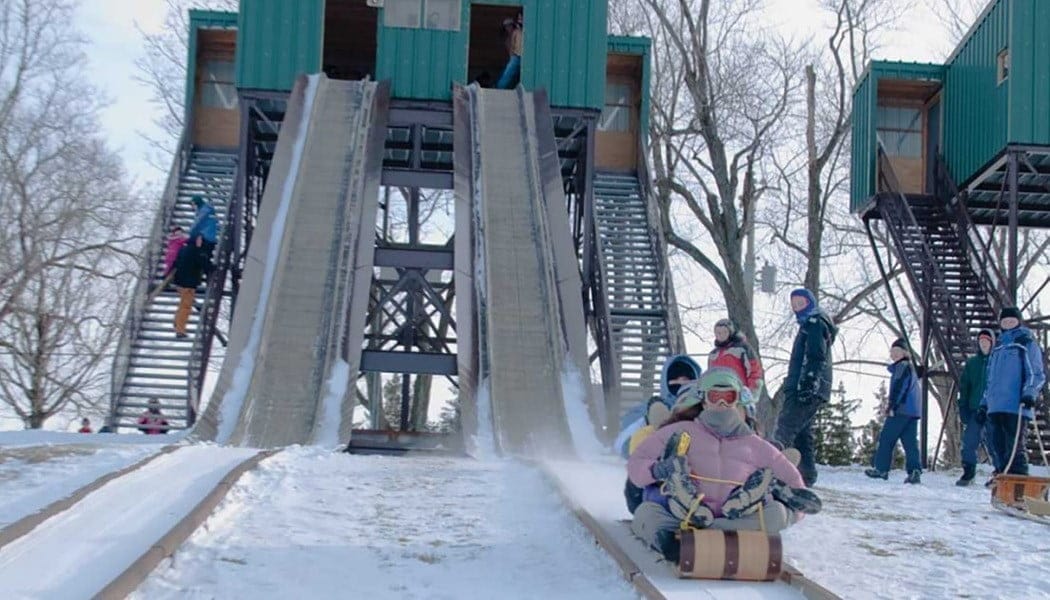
(1015, 377)
(902, 418)
(205, 231)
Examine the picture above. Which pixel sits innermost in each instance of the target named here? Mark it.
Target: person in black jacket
(808, 383)
(189, 272)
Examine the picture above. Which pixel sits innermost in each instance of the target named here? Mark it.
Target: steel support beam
(423, 363)
(1011, 275)
(437, 258)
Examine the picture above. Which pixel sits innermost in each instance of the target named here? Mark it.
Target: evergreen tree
(833, 429)
(392, 402)
(869, 435)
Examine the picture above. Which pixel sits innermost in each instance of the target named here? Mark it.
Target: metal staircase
(151, 362)
(958, 288)
(635, 285)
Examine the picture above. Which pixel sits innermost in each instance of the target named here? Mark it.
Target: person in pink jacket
(176, 240)
(728, 478)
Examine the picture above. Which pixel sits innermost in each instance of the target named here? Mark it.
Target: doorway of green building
(488, 52)
(350, 39)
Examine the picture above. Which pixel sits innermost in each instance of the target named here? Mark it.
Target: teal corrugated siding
(201, 19)
(279, 40)
(975, 106)
(640, 46)
(565, 50)
(863, 144)
(422, 64)
(1029, 81)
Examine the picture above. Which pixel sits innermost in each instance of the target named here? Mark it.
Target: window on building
(1003, 65)
(616, 115)
(428, 14)
(217, 85)
(900, 129)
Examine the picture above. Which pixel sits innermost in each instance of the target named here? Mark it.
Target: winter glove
(664, 468)
(982, 415)
(1028, 402)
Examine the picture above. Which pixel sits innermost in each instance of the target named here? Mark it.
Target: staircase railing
(147, 269)
(973, 245)
(204, 337)
(932, 287)
(659, 244)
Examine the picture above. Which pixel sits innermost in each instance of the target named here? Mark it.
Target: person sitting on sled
(714, 471)
(648, 416)
(677, 371)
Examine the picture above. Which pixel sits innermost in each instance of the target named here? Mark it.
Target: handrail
(934, 281)
(147, 268)
(659, 242)
(200, 354)
(988, 270)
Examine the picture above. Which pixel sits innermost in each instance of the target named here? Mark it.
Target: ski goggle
(725, 396)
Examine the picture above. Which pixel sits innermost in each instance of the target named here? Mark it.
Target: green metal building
(948, 163)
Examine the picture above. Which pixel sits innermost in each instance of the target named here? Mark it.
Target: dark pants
(206, 250)
(795, 430)
(973, 436)
(1002, 429)
(905, 429)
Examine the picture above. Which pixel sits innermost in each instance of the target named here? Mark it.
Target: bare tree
(163, 69)
(64, 210)
(956, 16)
(722, 86)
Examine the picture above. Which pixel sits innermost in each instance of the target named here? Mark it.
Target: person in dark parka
(189, 272)
(1015, 378)
(903, 412)
(971, 391)
(808, 383)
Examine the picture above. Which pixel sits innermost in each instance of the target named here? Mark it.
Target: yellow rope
(761, 507)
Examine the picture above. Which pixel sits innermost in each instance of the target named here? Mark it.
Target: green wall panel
(975, 106)
(1029, 81)
(279, 40)
(564, 53)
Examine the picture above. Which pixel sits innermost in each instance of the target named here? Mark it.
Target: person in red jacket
(152, 422)
(85, 426)
(732, 351)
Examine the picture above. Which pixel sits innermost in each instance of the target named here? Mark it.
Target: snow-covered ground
(885, 539)
(33, 476)
(74, 554)
(310, 523)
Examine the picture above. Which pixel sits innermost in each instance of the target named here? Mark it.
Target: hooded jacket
(809, 372)
(171, 251)
(711, 456)
(1015, 370)
(634, 419)
(205, 224)
(188, 267)
(740, 357)
(905, 392)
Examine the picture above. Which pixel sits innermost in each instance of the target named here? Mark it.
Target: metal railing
(931, 283)
(973, 245)
(205, 335)
(147, 269)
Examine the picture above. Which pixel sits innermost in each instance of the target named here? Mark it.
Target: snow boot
(684, 501)
(991, 481)
(746, 498)
(969, 472)
(670, 547)
(797, 499)
(914, 477)
(876, 474)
